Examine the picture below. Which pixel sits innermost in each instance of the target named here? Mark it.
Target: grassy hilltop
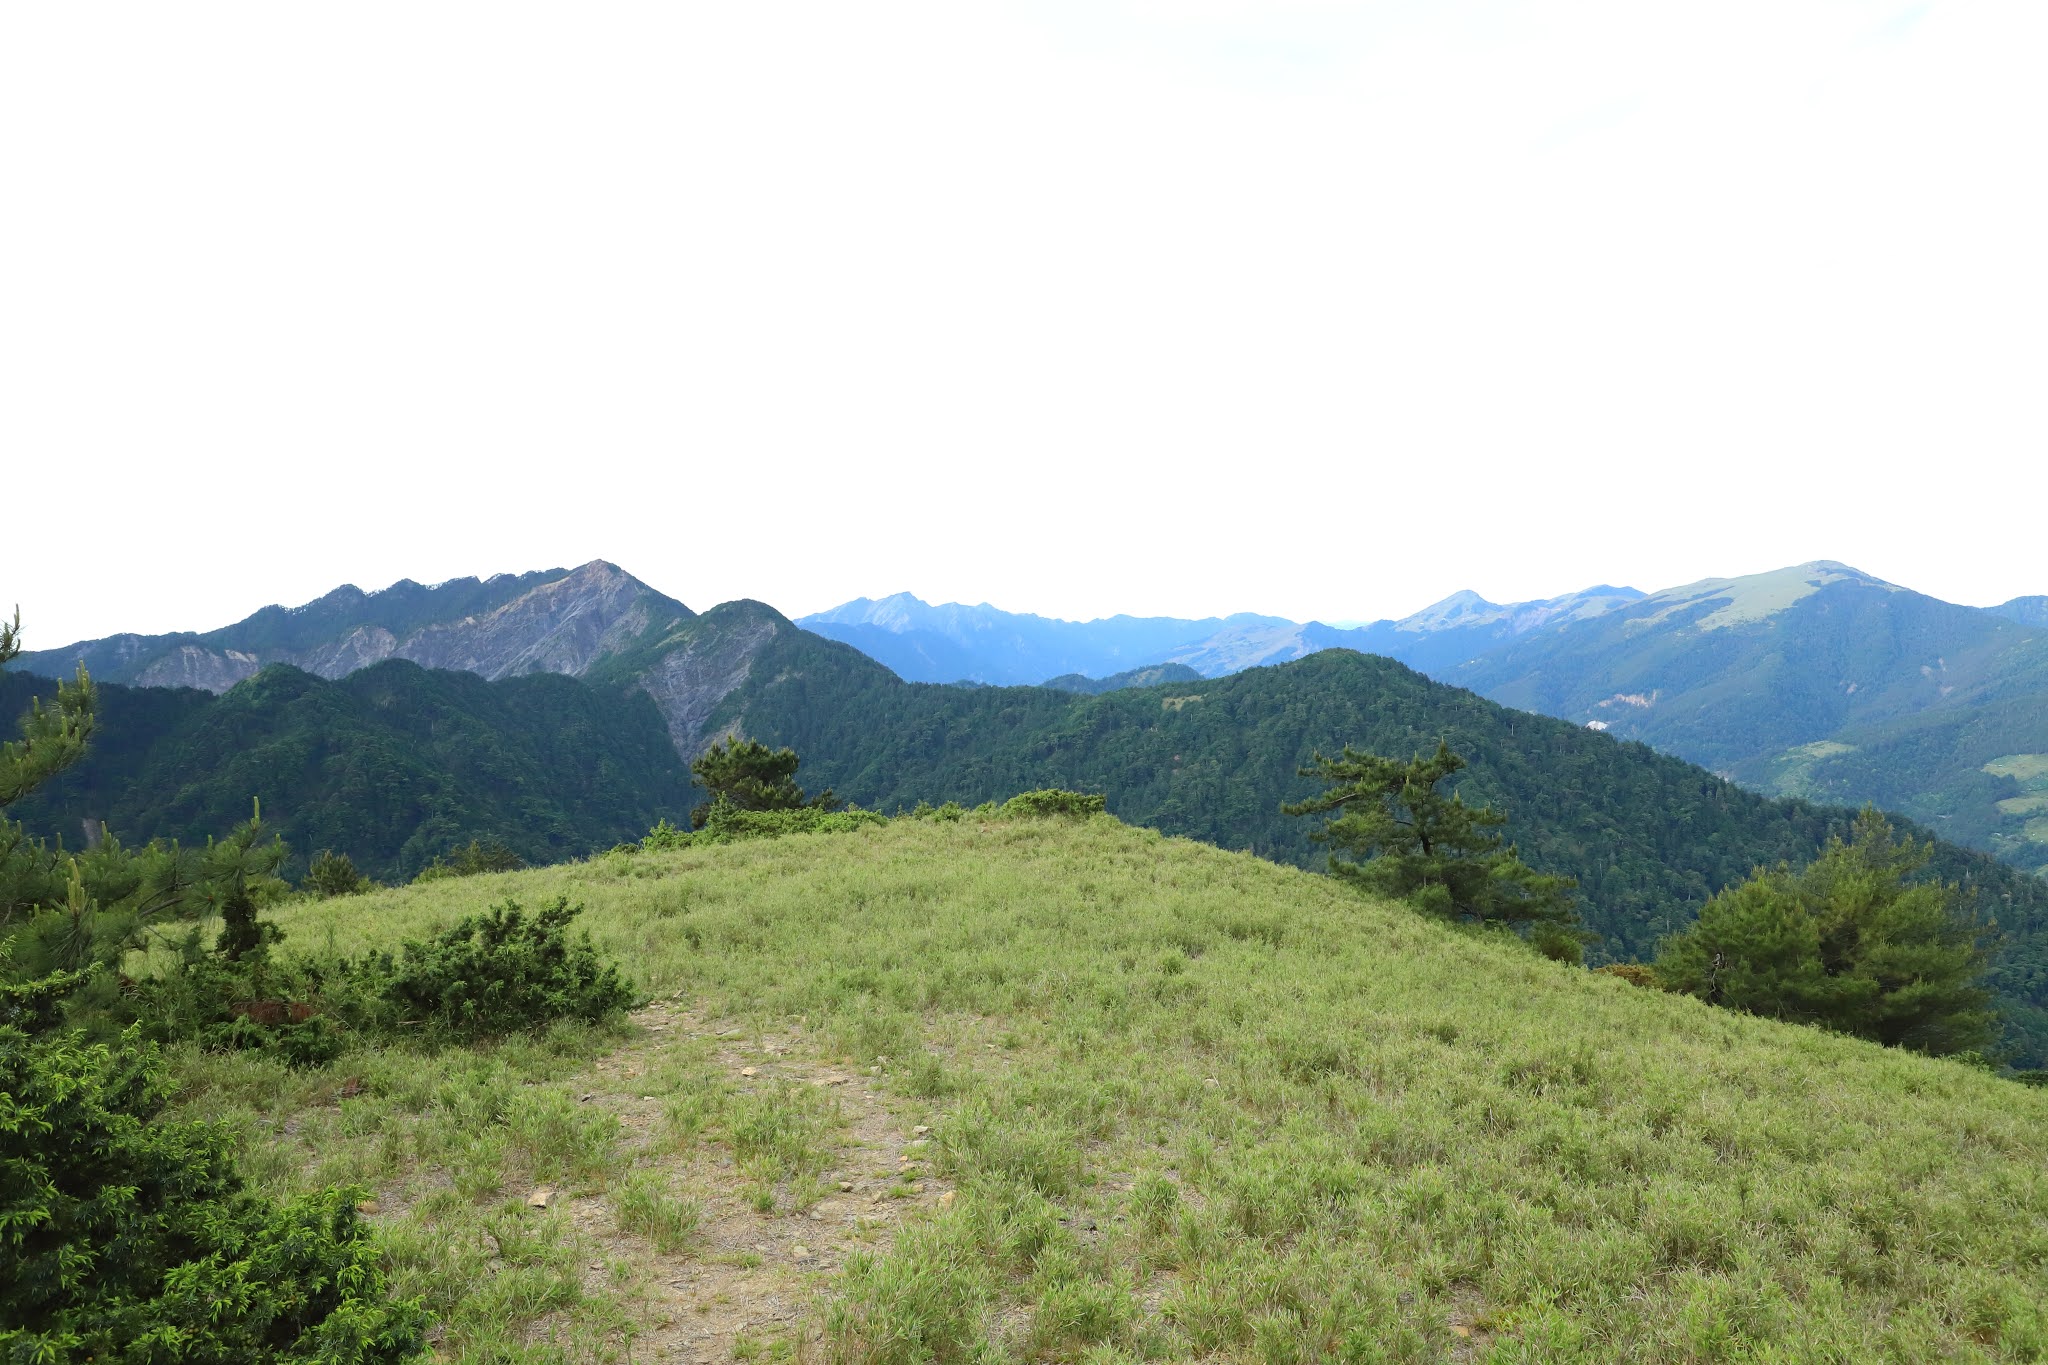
(1181, 1103)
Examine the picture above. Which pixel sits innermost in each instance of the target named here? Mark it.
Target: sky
(1304, 307)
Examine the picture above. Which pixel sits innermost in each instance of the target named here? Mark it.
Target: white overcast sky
(1163, 306)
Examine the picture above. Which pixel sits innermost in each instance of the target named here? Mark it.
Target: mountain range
(956, 643)
(1815, 680)
(587, 691)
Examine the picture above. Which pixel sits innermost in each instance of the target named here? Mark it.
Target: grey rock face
(567, 622)
(560, 627)
(690, 680)
(563, 625)
(196, 666)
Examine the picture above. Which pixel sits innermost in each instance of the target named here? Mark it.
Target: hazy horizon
(36, 640)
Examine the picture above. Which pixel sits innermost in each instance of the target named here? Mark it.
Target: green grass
(1194, 1105)
(2029, 770)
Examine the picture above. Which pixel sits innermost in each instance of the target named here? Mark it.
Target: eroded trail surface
(805, 1163)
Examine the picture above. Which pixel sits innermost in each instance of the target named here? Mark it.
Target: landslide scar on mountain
(690, 680)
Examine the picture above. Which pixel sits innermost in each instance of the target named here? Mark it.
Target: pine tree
(127, 1234)
(748, 775)
(1849, 943)
(1413, 843)
(52, 738)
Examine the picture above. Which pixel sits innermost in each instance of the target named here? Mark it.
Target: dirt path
(751, 1281)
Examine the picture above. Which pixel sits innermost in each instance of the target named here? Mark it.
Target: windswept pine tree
(1408, 841)
(747, 775)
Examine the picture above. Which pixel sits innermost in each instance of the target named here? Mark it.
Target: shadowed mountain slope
(392, 764)
(2028, 611)
(1151, 676)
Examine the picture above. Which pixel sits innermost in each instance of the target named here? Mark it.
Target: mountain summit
(552, 621)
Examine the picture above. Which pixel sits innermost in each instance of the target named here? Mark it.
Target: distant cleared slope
(1977, 774)
(553, 621)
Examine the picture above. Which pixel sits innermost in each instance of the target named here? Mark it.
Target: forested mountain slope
(1815, 681)
(2028, 611)
(1649, 836)
(1150, 676)
(393, 764)
(1978, 774)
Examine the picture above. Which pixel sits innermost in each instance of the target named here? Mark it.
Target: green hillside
(1649, 837)
(392, 765)
(1978, 774)
(1039, 1090)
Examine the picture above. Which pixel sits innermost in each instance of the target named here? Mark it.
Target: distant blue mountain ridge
(1815, 680)
(953, 642)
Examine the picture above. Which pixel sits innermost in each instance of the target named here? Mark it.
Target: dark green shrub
(125, 1237)
(1053, 801)
(1635, 973)
(728, 824)
(747, 775)
(247, 1007)
(665, 837)
(498, 972)
(473, 858)
(334, 874)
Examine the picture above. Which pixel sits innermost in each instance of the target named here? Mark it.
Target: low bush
(1053, 801)
(499, 972)
(334, 874)
(126, 1237)
(664, 837)
(473, 858)
(729, 824)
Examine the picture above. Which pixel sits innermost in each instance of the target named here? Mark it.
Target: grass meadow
(1181, 1104)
